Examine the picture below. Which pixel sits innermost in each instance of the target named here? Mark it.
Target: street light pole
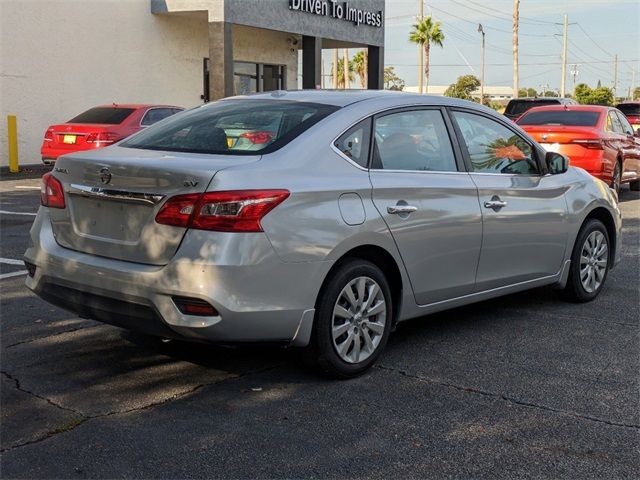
(481, 30)
(564, 56)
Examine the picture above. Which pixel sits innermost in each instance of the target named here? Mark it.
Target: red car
(596, 138)
(632, 112)
(99, 127)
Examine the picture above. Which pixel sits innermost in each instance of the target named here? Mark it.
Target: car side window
(415, 140)
(354, 143)
(494, 148)
(615, 123)
(626, 126)
(155, 115)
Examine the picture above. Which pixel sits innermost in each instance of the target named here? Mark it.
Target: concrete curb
(26, 172)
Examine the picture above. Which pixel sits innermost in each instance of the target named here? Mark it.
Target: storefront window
(256, 77)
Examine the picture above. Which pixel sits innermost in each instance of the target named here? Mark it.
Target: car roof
(136, 105)
(343, 98)
(571, 108)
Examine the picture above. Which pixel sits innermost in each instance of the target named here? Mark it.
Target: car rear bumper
(258, 297)
(50, 153)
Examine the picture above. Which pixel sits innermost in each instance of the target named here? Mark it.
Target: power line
(594, 42)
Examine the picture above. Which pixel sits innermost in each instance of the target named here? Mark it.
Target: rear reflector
(230, 211)
(194, 306)
(51, 192)
(591, 143)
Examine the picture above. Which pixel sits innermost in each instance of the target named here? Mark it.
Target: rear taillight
(51, 192)
(48, 136)
(590, 143)
(102, 137)
(258, 138)
(231, 211)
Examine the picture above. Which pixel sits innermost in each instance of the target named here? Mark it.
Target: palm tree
(360, 67)
(424, 33)
(340, 83)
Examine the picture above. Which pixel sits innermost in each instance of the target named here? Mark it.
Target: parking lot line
(11, 261)
(5, 212)
(26, 187)
(13, 274)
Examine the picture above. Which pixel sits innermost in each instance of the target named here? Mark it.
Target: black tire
(635, 185)
(322, 352)
(575, 291)
(616, 181)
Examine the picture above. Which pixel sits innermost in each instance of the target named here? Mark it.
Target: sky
(598, 30)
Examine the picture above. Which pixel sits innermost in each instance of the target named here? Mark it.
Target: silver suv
(316, 219)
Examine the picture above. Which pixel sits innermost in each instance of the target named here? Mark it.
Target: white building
(494, 93)
(61, 57)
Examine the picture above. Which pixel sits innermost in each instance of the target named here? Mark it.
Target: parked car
(517, 106)
(327, 235)
(598, 139)
(99, 127)
(632, 112)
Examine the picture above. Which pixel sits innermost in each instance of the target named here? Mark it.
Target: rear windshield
(629, 108)
(233, 127)
(560, 117)
(104, 115)
(516, 107)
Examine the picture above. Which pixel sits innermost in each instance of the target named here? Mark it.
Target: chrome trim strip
(119, 195)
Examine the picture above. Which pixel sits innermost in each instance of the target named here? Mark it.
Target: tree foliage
(341, 83)
(463, 88)
(391, 80)
(427, 32)
(359, 63)
(527, 92)
(636, 93)
(593, 96)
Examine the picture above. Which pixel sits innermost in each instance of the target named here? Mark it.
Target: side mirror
(556, 163)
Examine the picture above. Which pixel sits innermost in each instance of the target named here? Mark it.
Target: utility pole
(420, 53)
(564, 56)
(516, 19)
(481, 30)
(574, 73)
(335, 69)
(633, 83)
(615, 76)
(346, 69)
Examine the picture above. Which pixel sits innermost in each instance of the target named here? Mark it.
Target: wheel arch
(604, 216)
(384, 260)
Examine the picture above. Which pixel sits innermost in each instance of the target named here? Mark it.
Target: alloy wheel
(593, 261)
(359, 317)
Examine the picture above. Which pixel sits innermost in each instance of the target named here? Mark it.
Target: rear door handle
(398, 209)
(495, 203)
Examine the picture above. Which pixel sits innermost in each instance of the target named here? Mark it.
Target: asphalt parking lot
(523, 386)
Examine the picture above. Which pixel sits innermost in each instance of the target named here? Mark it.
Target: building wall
(275, 48)
(60, 57)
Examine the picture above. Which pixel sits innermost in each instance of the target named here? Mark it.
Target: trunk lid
(559, 134)
(112, 196)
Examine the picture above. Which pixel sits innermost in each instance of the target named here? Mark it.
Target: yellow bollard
(12, 130)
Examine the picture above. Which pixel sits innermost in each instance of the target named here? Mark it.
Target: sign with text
(339, 10)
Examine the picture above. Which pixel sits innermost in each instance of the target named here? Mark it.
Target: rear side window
(629, 108)
(518, 107)
(560, 117)
(103, 115)
(154, 115)
(233, 127)
(415, 140)
(354, 143)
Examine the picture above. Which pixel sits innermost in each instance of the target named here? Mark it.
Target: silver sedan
(316, 219)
